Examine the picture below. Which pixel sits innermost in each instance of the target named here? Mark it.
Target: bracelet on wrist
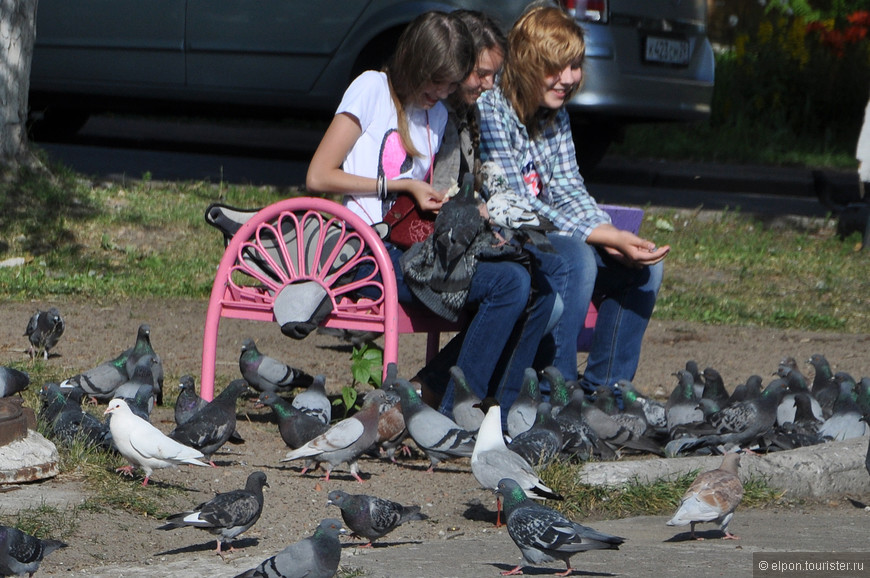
(382, 188)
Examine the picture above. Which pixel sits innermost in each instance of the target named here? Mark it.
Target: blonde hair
(544, 41)
(434, 47)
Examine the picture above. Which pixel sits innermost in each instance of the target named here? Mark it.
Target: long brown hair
(434, 47)
(487, 34)
(544, 41)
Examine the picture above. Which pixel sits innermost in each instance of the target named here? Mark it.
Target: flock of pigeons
(699, 416)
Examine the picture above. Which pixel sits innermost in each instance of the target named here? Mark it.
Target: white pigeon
(491, 460)
(144, 445)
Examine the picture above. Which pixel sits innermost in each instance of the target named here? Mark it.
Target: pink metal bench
(264, 262)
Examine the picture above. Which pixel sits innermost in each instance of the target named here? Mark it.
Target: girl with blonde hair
(528, 149)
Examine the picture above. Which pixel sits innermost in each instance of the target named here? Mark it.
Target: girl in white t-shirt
(382, 141)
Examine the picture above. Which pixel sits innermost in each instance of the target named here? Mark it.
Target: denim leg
(630, 296)
(520, 352)
(500, 291)
(403, 291)
(572, 271)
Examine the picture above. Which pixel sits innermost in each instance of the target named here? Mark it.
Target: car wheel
(56, 123)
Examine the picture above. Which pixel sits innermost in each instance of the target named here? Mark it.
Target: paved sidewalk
(829, 471)
(652, 549)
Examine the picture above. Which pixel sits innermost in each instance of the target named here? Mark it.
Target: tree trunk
(17, 34)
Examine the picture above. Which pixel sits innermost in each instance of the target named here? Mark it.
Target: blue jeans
(629, 298)
(566, 269)
(502, 338)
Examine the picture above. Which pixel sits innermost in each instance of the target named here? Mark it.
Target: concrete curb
(830, 469)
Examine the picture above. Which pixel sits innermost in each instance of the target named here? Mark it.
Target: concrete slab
(834, 468)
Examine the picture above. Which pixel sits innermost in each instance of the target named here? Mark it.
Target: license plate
(666, 50)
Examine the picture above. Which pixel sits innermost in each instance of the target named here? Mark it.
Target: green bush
(797, 71)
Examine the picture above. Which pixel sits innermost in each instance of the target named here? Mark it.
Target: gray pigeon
(466, 404)
(682, 406)
(737, 425)
(266, 373)
(314, 557)
(697, 378)
(43, 331)
(188, 401)
(797, 384)
(616, 434)
(138, 391)
(544, 535)
(227, 514)
(142, 349)
(540, 444)
(101, 381)
(522, 413)
(458, 225)
(314, 401)
(438, 436)
(578, 438)
(823, 372)
(712, 497)
(651, 410)
(296, 428)
(12, 381)
(21, 553)
(346, 440)
(746, 391)
(211, 427)
(67, 421)
(714, 387)
(560, 393)
(371, 517)
(845, 421)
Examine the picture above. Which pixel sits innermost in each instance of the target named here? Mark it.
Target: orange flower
(860, 18)
(855, 34)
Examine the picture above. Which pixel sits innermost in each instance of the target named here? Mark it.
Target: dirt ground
(97, 331)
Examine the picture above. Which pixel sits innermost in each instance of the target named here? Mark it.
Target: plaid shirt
(562, 198)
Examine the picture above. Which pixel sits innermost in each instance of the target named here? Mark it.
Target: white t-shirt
(379, 149)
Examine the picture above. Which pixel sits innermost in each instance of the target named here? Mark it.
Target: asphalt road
(259, 153)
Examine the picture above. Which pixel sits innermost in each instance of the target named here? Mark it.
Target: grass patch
(94, 465)
(657, 498)
(43, 521)
(733, 269)
(111, 239)
(150, 239)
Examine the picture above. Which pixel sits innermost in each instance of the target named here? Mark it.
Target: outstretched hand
(628, 248)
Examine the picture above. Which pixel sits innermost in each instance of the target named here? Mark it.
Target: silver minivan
(647, 59)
